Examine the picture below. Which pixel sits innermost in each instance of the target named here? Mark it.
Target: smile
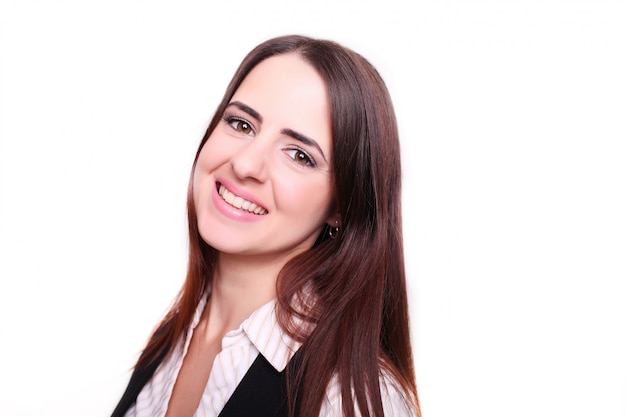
(239, 202)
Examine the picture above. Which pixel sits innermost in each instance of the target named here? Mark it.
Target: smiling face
(262, 184)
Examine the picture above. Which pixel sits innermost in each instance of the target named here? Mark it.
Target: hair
(352, 288)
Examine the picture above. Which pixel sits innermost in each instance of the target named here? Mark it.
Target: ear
(334, 220)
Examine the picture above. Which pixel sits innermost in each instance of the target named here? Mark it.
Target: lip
(232, 212)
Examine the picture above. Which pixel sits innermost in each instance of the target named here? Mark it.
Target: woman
(295, 300)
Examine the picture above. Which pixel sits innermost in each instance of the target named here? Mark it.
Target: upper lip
(240, 193)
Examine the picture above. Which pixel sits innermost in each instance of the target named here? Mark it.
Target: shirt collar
(268, 337)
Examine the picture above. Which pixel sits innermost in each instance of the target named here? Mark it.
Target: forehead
(286, 73)
(287, 90)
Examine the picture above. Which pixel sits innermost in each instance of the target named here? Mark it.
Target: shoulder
(395, 403)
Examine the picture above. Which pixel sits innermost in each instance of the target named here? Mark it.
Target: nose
(251, 160)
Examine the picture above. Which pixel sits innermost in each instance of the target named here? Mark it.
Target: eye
(240, 125)
(301, 157)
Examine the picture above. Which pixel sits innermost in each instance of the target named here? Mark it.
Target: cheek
(310, 199)
(212, 155)
(204, 165)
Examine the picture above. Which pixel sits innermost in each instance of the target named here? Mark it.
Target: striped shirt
(259, 333)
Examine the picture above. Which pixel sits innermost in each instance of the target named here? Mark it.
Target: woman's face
(262, 182)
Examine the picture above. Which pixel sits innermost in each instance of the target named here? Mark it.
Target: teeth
(239, 202)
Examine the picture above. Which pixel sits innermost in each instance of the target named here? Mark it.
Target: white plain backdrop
(512, 120)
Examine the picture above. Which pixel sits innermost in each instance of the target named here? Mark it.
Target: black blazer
(262, 391)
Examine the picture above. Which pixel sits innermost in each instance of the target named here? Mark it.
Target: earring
(333, 231)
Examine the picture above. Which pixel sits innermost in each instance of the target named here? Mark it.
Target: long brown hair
(359, 303)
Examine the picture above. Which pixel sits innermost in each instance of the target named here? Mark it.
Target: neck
(240, 286)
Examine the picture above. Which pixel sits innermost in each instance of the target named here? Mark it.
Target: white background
(512, 118)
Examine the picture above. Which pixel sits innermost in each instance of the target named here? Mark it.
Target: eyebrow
(246, 109)
(289, 132)
(300, 137)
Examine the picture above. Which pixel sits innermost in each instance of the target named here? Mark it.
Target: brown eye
(239, 125)
(243, 127)
(301, 157)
